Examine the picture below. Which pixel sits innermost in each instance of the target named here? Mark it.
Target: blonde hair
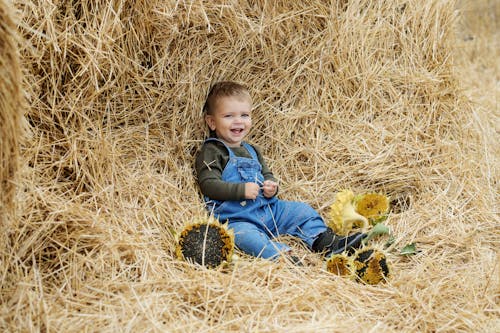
(224, 89)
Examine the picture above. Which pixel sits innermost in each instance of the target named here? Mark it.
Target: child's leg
(251, 239)
(296, 219)
(301, 220)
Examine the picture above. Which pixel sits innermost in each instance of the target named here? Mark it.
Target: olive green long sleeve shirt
(210, 163)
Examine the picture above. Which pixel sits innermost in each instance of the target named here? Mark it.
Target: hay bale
(10, 109)
(348, 94)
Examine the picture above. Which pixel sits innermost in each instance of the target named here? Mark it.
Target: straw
(10, 111)
(393, 97)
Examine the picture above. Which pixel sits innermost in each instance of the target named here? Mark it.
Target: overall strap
(251, 150)
(231, 154)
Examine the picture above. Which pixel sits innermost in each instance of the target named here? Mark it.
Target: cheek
(223, 123)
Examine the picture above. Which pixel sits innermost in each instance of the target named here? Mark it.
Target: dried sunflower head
(343, 216)
(206, 242)
(373, 206)
(371, 266)
(340, 264)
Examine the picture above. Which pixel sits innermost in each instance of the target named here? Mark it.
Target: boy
(239, 188)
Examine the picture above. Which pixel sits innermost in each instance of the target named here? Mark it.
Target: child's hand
(251, 191)
(269, 188)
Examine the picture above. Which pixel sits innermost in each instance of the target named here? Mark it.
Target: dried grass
(10, 113)
(369, 95)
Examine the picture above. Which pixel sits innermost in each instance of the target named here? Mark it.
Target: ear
(209, 119)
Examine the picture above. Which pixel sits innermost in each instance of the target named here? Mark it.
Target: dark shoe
(332, 243)
(348, 243)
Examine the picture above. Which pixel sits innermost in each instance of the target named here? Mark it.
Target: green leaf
(409, 249)
(378, 230)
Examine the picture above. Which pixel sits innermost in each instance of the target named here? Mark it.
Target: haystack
(11, 110)
(363, 95)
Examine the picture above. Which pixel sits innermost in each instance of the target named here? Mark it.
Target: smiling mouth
(237, 130)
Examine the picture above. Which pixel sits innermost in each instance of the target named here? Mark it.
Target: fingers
(269, 188)
(251, 190)
(270, 182)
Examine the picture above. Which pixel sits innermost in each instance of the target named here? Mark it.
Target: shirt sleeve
(210, 163)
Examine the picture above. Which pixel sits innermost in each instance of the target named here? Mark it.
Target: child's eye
(228, 116)
(246, 115)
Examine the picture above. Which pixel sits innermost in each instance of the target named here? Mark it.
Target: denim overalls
(257, 222)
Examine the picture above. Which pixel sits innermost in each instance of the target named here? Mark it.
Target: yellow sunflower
(343, 216)
(371, 266)
(206, 242)
(340, 264)
(373, 206)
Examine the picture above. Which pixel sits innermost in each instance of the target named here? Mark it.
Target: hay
(10, 112)
(366, 95)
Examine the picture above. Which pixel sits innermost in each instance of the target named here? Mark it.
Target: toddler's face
(231, 119)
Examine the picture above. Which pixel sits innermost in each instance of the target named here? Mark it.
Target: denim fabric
(257, 222)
